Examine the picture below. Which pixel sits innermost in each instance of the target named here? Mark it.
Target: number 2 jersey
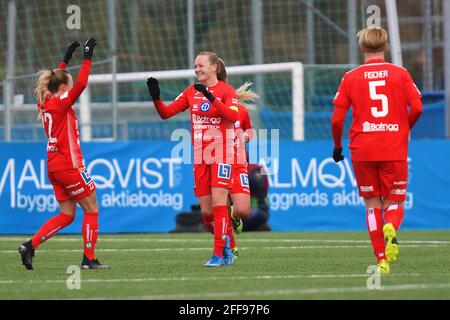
(60, 124)
(379, 94)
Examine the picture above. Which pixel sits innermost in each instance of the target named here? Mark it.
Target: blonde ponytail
(245, 94)
(43, 79)
(221, 71)
(49, 81)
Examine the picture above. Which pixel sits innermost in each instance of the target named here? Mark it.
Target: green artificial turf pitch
(320, 265)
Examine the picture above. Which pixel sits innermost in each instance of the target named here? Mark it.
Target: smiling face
(204, 70)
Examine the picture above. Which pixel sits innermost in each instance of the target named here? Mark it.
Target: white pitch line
(177, 279)
(142, 250)
(240, 240)
(196, 295)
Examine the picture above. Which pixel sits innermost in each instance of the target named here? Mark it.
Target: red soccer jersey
(60, 124)
(211, 130)
(379, 94)
(242, 126)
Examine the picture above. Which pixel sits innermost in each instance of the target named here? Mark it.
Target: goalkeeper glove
(337, 154)
(73, 46)
(204, 89)
(153, 88)
(89, 48)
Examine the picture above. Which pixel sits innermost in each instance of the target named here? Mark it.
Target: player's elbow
(417, 108)
(336, 122)
(164, 116)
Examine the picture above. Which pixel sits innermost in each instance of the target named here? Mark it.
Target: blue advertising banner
(141, 188)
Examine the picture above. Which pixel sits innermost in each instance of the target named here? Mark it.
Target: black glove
(337, 154)
(153, 88)
(73, 46)
(89, 48)
(204, 89)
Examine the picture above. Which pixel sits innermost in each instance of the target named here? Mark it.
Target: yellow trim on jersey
(234, 108)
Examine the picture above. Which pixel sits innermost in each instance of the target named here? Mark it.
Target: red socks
(208, 221)
(375, 226)
(230, 233)
(50, 228)
(394, 214)
(221, 221)
(90, 233)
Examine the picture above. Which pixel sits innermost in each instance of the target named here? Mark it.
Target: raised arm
(83, 76)
(68, 55)
(82, 81)
(179, 105)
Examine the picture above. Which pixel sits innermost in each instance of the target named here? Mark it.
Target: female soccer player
(72, 184)
(213, 108)
(240, 193)
(379, 94)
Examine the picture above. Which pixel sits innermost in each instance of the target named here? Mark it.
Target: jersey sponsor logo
(195, 107)
(376, 74)
(234, 100)
(244, 180)
(224, 171)
(196, 119)
(86, 177)
(205, 127)
(366, 188)
(237, 124)
(399, 192)
(76, 192)
(205, 106)
(380, 127)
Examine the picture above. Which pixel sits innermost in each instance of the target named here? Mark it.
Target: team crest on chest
(205, 106)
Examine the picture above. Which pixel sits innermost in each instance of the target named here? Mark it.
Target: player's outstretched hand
(70, 50)
(153, 88)
(204, 89)
(89, 48)
(337, 154)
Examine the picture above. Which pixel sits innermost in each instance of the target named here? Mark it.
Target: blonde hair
(50, 80)
(245, 94)
(372, 39)
(214, 59)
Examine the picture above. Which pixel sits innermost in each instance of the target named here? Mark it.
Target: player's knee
(374, 202)
(207, 212)
(89, 203)
(242, 212)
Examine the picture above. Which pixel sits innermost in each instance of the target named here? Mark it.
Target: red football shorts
(71, 184)
(382, 178)
(207, 176)
(240, 180)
